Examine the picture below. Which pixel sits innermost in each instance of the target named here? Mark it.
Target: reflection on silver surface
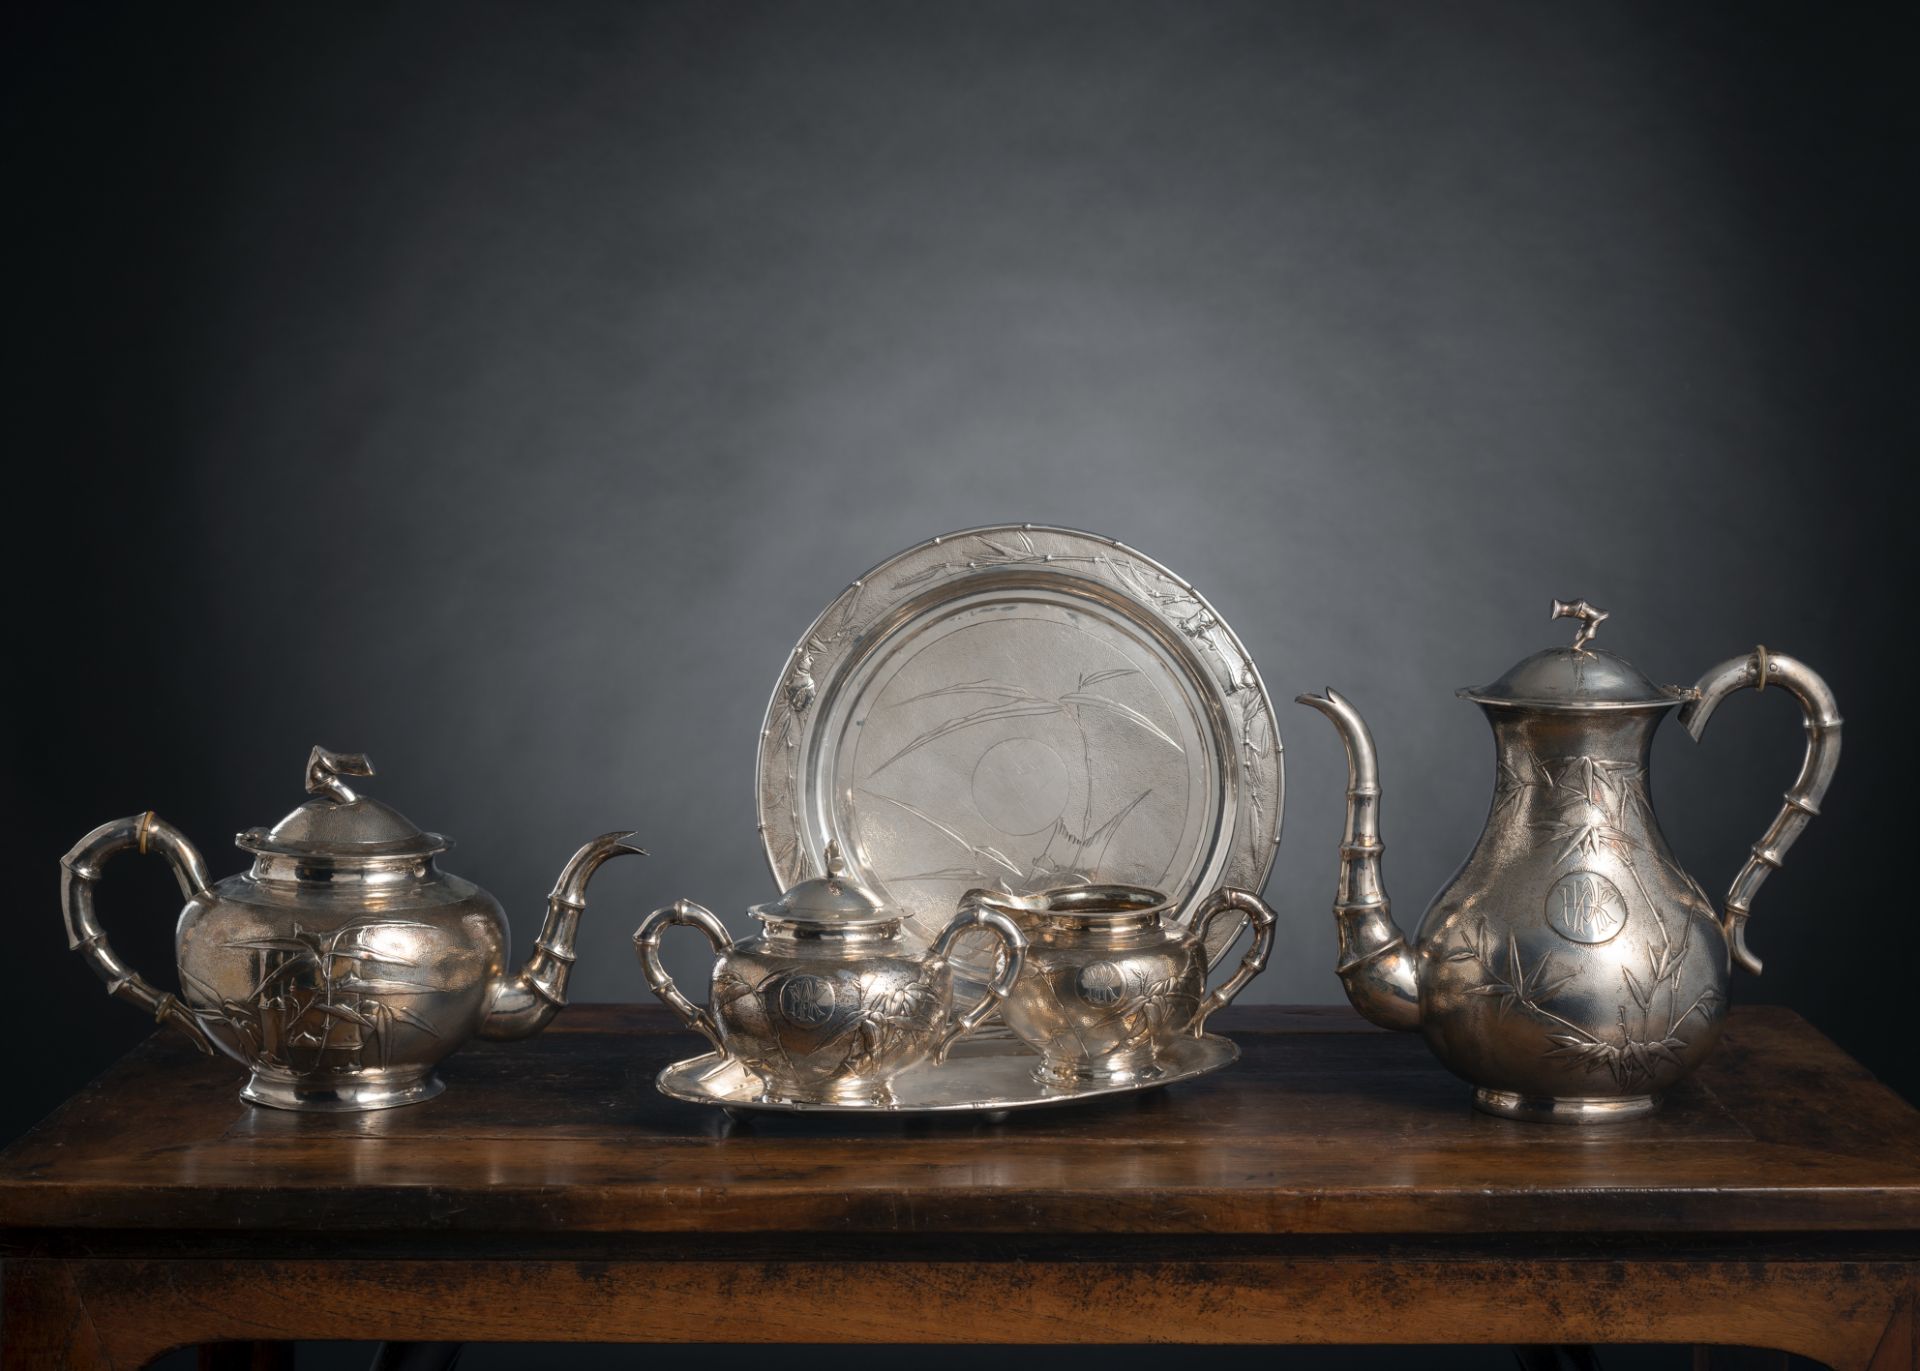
(1021, 708)
(982, 1076)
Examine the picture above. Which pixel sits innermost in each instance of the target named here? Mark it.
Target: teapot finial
(325, 768)
(836, 862)
(1588, 616)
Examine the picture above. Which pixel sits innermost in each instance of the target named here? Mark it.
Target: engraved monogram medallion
(1586, 907)
(807, 1000)
(1100, 984)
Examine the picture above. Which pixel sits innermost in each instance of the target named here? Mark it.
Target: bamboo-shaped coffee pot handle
(1758, 670)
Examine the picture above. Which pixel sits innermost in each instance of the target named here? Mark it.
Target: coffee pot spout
(526, 1001)
(1376, 966)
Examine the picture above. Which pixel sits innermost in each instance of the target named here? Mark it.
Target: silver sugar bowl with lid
(1113, 979)
(344, 965)
(832, 1000)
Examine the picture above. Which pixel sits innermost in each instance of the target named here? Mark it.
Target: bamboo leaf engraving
(980, 687)
(407, 1016)
(1635, 1058)
(990, 854)
(1126, 712)
(314, 1006)
(1102, 835)
(991, 714)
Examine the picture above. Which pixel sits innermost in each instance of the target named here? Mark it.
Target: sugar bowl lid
(1577, 677)
(833, 901)
(339, 826)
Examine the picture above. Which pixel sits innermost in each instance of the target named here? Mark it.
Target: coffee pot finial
(1589, 617)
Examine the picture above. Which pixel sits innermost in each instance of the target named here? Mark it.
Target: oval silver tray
(1021, 707)
(984, 1075)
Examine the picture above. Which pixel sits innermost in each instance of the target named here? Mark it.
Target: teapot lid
(834, 900)
(339, 824)
(1577, 677)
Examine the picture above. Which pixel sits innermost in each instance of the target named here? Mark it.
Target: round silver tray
(1021, 707)
(985, 1075)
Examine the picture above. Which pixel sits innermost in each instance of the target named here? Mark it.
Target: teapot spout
(527, 1001)
(1376, 966)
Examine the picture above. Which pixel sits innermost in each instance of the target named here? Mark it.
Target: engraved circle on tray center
(1586, 907)
(1021, 786)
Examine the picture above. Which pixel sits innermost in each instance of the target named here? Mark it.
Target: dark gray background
(501, 389)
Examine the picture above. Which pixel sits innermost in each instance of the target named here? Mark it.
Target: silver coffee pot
(832, 1000)
(1570, 970)
(344, 965)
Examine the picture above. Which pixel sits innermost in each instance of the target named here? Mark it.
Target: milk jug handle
(1758, 670)
(1229, 900)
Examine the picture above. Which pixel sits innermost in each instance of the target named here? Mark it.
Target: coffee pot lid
(1577, 677)
(834, 900)
(340, 825)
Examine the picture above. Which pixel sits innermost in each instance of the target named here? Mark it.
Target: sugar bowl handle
(1259, 914)
(1758, 670)
(973, 916)
(646, 946)
(81, 869)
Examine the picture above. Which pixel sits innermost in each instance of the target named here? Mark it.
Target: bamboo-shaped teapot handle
(1758, 670)
(81, 869)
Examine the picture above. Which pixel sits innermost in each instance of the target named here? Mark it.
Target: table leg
(44, 1322)
(1899, 1348)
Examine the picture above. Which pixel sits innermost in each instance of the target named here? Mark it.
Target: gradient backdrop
(500, 389)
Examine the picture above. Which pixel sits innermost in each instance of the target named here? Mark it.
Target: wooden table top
(1325, 1127)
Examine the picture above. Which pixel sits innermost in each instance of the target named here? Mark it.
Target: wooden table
(1333, 1187)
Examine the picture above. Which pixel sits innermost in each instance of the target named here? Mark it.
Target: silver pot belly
(1105, 1014)
(336, 1005)
(1571, 970)
(818, 1029)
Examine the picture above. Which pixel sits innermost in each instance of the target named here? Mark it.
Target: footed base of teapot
(1511, 1104)
(339, 1096)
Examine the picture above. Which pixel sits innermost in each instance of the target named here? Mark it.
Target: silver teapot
(1111, 980)
(1570, 970)
(344, 965)
(832, 1001)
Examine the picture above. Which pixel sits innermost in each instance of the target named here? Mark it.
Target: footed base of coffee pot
(339, 1096)
(1511, 1104)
